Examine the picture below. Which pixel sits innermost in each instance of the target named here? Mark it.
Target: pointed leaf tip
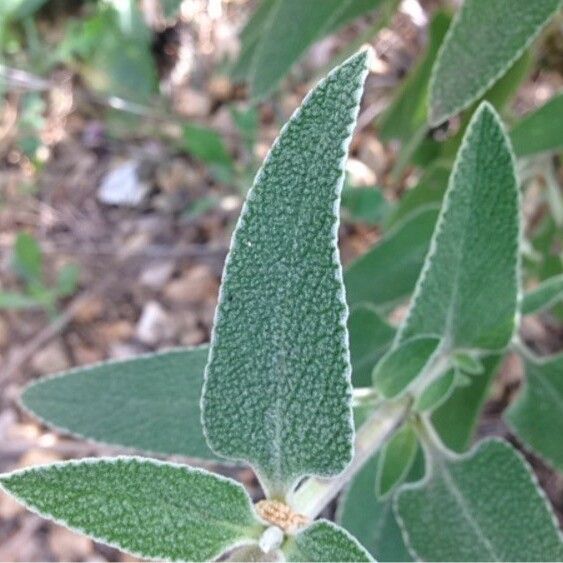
(277, 386)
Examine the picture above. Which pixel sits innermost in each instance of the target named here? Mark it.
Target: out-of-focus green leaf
(27, 259)
(387, 273)
(279, 351)
(67, 279)
(150, 403)
(407, 113)
(324, 541)
(370, 336)
(474, 258)
(483, 506)
(541, 130)
(537, 414)
(396, 459)
(401, 365)
(547, 294)
(207, 145)
(149, 508)
(170, 7)
(16, 301)
(482, 43)
(365, 205)
(429, 191)
(14, 10)
(437, 392)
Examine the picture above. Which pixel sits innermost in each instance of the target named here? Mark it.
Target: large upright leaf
(484, 506)
(537, 414)
(149, 403)
(289, 28)
(277, 387)
(152, 509)
(324, 541)
(541, 130)
(387, 273)
(486, 37)
(467, 291)
(369, 519)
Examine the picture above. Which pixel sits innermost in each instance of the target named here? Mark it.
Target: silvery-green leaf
(541, 130)
(437, 392)
(387, 273)
(401, 365)
(483, 506)
(467, 291)
(277, 386)
(456, 419)
(364, 205)
(324, 541)
(370, 336)
(544, 296)
(483, 41)
(537, 414)
(467, 363)
(149, 508)
(396, 460)
(370, 519)
(150, 403)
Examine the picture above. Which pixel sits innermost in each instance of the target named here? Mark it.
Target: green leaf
(396, 460)
(27, 259)
(483, 506)
(282, 43)
(467, 363)
(364, 205)
(401, 365)
(429, 191)
(547, 294)
(539, 131)
(67, 279)
(387, 273)
(537, 414)
(146, 507)
(371, 520)
(17, 301)
(15, 10)
(407, 113)
(473, 262)
(170, 7)
(207, 145)
(483, 41)
(324, 541)
(456, 419)
(370, 336)
(279, 352)
(437, 392)
(150, 403)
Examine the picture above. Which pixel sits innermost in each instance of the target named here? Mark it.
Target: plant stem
(314, 494)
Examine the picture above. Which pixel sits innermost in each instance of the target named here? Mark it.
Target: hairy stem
(314, 494)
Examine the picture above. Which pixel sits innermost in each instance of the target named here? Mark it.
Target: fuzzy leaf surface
(537, 414)
(437, 392)
(485, 38)
(467, 291)
(541, 130)
(152, 509)
(324, 541)
(387, 273)
(483, 506)
(149, 403)
(370, 336)
(547, 294)
(277, 387)
(403, 364)
(370, 519)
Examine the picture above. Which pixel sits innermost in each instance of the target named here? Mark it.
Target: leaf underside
(324, 541)
(484, 40)
(467, 291)
(150, 403)
(277, 389)
(484, 506)
(153, 509)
